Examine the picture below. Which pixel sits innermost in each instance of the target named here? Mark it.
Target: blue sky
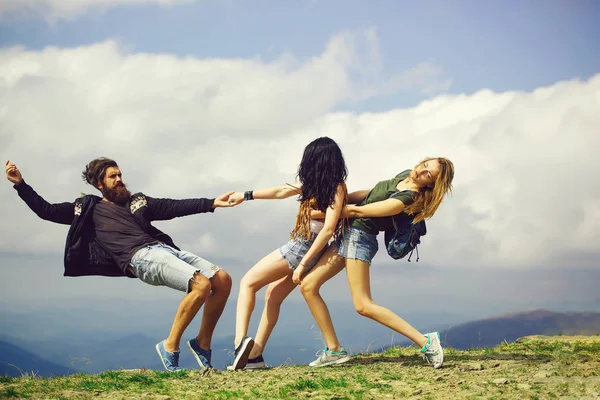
(494, 44)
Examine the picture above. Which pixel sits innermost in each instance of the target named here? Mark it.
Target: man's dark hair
(96, 170)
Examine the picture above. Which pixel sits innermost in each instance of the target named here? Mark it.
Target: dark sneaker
(241, 353)
(202, 356)
(256, 363)
(253, 363)
(170, 360)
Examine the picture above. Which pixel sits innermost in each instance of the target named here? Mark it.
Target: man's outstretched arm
(165, 209)
(61, 213)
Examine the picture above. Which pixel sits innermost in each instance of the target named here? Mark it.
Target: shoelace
(429, 355)
(175, 359)
(321, 353)
(208, 359)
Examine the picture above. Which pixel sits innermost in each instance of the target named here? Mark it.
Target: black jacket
(83, 254)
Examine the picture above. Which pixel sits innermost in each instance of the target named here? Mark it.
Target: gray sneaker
(329, 357)
(432, 351)
(241, 353)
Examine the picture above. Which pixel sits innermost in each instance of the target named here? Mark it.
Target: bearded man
(113, 236)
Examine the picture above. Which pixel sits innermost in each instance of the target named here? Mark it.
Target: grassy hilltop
(534, 367)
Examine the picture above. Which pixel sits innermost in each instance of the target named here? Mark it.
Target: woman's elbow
(282, 194)
(354, 214)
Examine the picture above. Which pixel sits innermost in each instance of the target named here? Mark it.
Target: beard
(118, 194)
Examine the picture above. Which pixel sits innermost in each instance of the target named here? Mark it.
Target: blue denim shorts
(294, 251)
(162, 265)
(357, 244)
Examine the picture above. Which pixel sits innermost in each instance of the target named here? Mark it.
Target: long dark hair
(321, 170)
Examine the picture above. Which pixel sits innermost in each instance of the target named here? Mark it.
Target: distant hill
(135, 351)
(15, 361)
(490, 332)
(131, 351)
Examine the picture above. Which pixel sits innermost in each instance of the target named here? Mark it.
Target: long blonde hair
(302, 228)
(428, 199)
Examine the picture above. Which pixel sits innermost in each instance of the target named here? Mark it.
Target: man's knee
(200, 285)
(221, 281)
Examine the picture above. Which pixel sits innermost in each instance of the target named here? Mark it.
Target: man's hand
(298, 274)
(222, 200)
(236, 198)
(12, 173)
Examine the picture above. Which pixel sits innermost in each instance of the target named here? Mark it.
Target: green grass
(305, 384)
(225, 394)
(9, 392)
(331, 383)
(398, 372)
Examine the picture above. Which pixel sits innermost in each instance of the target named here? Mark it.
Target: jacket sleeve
(61, 213)
(164, 209)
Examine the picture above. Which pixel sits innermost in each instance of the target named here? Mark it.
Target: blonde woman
(412, 196)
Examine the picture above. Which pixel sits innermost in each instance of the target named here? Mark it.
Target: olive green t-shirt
(383, 191)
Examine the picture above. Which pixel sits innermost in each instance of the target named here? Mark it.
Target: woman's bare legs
(276, 293)
(271, 268)
(359, 279)
(329, 265)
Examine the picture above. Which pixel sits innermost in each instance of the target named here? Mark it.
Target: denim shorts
(357, 244)
(162, 265)
(294, 251)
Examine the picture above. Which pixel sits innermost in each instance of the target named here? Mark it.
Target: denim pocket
(140, 255)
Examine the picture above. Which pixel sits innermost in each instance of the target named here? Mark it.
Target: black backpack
(404, 239)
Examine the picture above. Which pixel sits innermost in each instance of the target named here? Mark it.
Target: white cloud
(205, 243)
(525, 187)
(428, 76)
(54, 10)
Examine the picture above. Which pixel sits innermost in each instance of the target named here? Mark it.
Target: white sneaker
(432, 351)
(329, 357)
